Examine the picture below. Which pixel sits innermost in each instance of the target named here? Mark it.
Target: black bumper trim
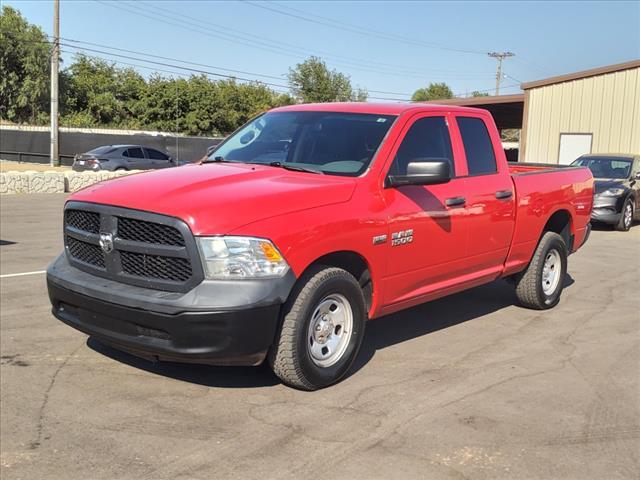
(237, 337)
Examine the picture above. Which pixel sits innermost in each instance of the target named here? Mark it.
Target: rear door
(158, 159)
(489, 195)
(427, 223)
(135, 158)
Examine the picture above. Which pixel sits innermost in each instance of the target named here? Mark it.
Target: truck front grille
(85, 252)
(130, 246)
(154, 266)
(148, 232)
(85, 221)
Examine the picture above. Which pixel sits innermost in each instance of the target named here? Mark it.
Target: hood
(217, 198)
(602, 184)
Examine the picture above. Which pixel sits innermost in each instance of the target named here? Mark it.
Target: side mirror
(638, 176)
(423, 171)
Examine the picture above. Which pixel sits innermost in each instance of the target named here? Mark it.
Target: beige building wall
(606, 106)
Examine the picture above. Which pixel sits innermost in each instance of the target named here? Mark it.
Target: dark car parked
(617, 188)
(122, 157)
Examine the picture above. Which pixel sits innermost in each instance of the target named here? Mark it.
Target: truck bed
(521, 168)
(542, 190)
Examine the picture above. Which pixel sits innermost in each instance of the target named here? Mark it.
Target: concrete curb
(52, 182)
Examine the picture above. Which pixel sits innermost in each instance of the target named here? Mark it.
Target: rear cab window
(478, 148)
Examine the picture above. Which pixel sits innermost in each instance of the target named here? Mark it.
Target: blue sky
(405, 46)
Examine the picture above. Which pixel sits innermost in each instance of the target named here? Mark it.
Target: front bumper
(607, 209)
(209, 324)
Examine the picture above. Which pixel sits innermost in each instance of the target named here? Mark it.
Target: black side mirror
(423, 171)
(638, 176)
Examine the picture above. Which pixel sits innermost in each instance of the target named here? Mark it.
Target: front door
(427, 224)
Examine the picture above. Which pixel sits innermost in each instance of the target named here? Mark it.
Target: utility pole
(55, 57)
(500, 56)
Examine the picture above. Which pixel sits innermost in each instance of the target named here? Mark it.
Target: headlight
(240, 257)
(613, 192)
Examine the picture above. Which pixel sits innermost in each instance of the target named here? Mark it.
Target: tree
(476, 93)
(312, 81)
(97, 90)
(24, 67)
(435, 91)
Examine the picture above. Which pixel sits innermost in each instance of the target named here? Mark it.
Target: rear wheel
(626, 217)
(540, 285)
(322, 329)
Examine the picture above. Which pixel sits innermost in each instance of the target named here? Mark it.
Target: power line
(261, 38)
(154, 68)
(193, 70)
(170, 59)
(355, 29)
(81, 42)
(277, 87)
(278, 48)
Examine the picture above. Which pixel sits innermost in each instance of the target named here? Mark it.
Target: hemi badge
(377, 240)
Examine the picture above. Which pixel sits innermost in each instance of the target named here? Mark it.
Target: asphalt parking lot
(470, 386)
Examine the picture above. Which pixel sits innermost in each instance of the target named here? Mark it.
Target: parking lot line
(9, 275)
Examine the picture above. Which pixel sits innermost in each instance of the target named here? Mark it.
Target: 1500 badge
(402, 237)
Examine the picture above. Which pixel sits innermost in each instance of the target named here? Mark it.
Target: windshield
(329, 142)
(606, 167)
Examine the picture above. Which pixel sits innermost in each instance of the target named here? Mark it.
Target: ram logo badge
(106, 242)
(402, 237)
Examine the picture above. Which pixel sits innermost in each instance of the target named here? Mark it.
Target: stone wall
(53, 182)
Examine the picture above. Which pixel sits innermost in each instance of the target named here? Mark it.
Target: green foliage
(97, 93)
(311, 81)
(24, 68)
(476, 93)
(103, 94)
(510, 135)
(435, 91)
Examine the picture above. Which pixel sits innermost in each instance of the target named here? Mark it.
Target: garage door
(572, 145)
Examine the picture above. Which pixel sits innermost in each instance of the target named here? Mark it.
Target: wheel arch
(561, 222)
(354, 263)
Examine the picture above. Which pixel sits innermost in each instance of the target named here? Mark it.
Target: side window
(155, 154)
(427, 138)
(134, 153)
(478, 148)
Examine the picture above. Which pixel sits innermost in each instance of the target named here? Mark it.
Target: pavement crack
(35, 444)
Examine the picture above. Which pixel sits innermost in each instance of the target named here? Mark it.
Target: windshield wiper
(288, 166)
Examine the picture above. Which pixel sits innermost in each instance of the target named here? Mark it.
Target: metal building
(594, 111)
(561, 118)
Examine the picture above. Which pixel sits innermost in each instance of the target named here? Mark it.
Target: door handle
(455, 201)
(503, 194)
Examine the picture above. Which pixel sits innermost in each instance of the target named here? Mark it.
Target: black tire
(529, 284)
(290, 357)
(625, 222)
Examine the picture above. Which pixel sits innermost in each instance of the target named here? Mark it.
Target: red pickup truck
(304, 224)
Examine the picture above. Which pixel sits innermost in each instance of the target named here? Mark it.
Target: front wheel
(626, 217)
(322, 329)
(540, 285)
